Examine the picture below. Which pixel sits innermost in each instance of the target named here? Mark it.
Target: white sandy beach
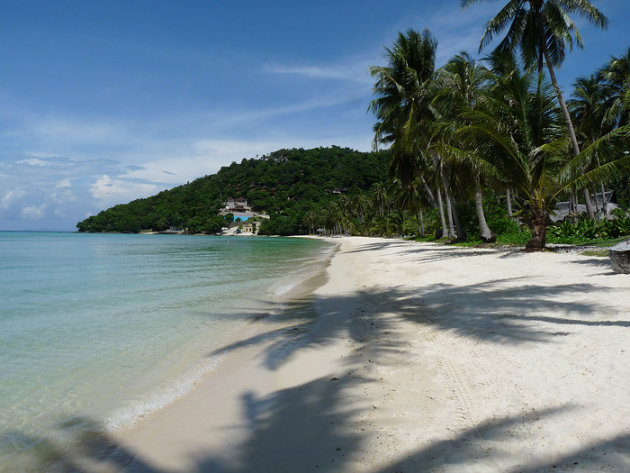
(421, 358)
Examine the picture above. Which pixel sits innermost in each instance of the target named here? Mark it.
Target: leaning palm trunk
(567, 117)
(427, 190)
(508, 198)
(563, 105)
(487, 235)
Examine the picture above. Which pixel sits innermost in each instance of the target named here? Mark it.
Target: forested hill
(286, 184)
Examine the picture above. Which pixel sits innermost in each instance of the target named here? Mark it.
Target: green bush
(585, 230)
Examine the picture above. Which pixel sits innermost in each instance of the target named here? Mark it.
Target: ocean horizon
(111, 327)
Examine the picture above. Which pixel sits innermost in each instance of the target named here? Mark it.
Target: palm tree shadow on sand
(320, 426)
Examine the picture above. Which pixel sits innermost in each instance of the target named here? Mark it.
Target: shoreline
(214, 318)
(414, 357)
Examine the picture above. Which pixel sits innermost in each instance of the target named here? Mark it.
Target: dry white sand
(421, 359)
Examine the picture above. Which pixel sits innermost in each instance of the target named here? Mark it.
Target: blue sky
(105, 101)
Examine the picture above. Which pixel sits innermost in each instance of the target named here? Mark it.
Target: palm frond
(510, 13)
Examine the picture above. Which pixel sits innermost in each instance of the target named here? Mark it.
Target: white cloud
(355, 73)
(260, 116)
(63, 184)
(62, 196)
(32, 162)
(33, 211)
(10, 197)
(110, 191)
(64, 130)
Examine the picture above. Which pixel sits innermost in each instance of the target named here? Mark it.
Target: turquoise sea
(112, 327)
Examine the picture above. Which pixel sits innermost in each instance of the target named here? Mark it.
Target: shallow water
(112, 327)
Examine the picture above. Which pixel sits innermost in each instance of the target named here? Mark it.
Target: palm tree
(462, 82)
(615, 77)
(542, 30)
(404, 92)
(518, 134)
(310, 221)
(589, 111)
(411, 197)
(380, 198)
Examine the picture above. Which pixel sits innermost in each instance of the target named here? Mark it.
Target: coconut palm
(404, 92)
(589, 111)
(615, 77)
(542, 30)
(518, 134)
(462, 82)
(411, 197)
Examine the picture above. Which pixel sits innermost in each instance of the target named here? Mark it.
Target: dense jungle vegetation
(289, 185)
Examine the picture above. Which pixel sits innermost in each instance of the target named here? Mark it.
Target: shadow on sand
(314, 427)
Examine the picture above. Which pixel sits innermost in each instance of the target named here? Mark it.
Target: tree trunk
(563, 105)
(572, 206)
(441, 210)
(567, 119)
(420, 220)
(449, 214)
(539, 231)
(487, 235)
(508, 198)
(427, 190)
(461, 233)
(454, 217)
(589, 205)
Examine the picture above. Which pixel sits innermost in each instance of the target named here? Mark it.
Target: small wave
(129, 415)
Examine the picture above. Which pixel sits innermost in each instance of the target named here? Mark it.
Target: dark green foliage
(285, 184)
(281, 225)
(585, 230)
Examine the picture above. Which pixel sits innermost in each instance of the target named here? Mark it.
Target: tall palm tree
(518, 134)
(589, 112)
(403, 94)
(462, 82)
(541, 30)
(404, 91)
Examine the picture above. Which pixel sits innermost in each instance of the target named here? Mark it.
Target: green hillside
(286, 184)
